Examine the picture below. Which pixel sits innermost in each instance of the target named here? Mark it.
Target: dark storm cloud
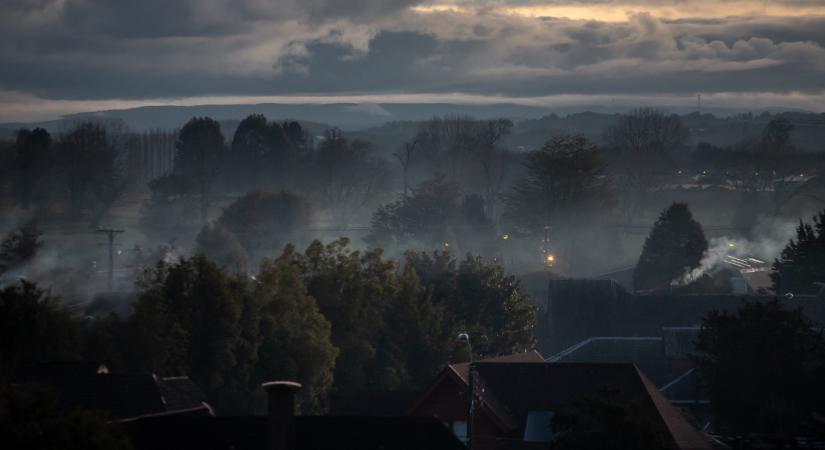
(100, 49)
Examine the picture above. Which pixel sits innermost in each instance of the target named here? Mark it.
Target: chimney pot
(280, 421)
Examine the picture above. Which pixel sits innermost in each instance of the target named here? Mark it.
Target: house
(576, 310)
(446, 397)
(665, 360)
(123, 397)
(281, 429)
(517, 400)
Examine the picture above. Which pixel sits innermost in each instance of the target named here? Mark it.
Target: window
(460, 430)
(539, 427)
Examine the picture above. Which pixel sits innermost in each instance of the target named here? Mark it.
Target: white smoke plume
(770, 238)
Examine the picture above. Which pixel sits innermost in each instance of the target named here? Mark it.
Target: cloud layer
(123, 49)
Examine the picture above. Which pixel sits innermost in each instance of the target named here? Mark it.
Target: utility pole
(111, 232)
(471, 375)
(547, 255)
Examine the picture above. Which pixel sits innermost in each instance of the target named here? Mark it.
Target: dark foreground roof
(512, 390)
(82, 385)
(312, 433)
(647, 353)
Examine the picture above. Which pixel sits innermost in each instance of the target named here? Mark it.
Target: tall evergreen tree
(802, 262)
(675, 246)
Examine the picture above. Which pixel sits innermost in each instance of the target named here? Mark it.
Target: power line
(111, 232)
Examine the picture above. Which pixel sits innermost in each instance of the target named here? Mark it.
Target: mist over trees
(802, 262)
(674, 247)
(262, 249)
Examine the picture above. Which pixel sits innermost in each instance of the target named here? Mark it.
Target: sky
(64, 56)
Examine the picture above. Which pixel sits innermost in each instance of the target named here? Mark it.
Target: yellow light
(801, 174)
(446, 244)
(731, 245)
(505, 237)
(551, 258)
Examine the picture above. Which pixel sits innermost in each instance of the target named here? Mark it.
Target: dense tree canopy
(675, 246)
(763, 367)
(262, 154)
(199, 155)
(31, 420)
(91, 163)
(33, 325)
(434, 216)
(802, 262)
(564, 183)
(264, 222)
(19, 247)
(231, 333)
(34, 158)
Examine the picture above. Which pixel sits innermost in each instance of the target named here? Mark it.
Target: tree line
(460, 185)
(327, 317)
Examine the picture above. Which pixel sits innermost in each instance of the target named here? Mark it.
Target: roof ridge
(572, 349)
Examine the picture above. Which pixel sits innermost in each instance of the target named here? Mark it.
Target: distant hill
(388, 125)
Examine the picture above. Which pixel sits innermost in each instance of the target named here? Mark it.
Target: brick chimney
(280, 419)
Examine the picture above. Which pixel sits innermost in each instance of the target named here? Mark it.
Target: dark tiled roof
(62, 370)
(81, 385)
(521, 388)
(462, 369)
(180, 393)
(121, 396)
(312, 433)
(647, 353)
(379, 403)
(685, 389)
(679, 341)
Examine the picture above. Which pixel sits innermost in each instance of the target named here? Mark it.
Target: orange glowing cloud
(618, 10)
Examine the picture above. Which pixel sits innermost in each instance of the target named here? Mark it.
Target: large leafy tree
(346, 176)
(90, 156)
(564, 183)
(33, 327)
(763, 367)
(261, 154)
(564, 189)
(674, 247)
(353, 291)
(200, 149)
(232, 333)
(34, 158)
(264, 222)
(435, 216)
(172, 207)
(365, 296)
(20, 246)
(220, 245)
(186, 322)
(476, 296)
(295, 338)
(642, 145)
(31, 419)
(802, 262)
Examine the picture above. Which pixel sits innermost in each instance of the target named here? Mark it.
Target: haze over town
(404, 224)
